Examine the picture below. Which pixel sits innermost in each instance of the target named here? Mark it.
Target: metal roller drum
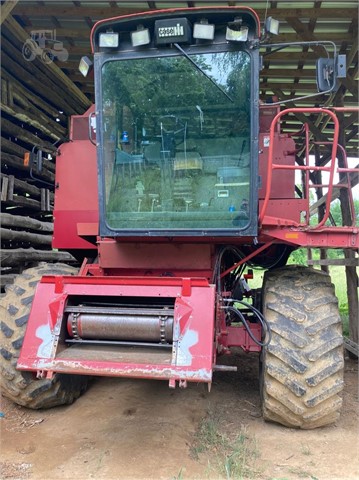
(126, 324)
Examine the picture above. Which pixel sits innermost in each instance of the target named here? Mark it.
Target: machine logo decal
(173, 31)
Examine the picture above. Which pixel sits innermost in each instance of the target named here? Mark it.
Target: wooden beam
(18, 164)
(35, 84)
(6, 8)
(303, 87)
(351, 346)
(20, 201)
(18, 221)
(105, 12)
(291, 56)
(349, 262)
(26, 187)
(15, 130)
(12, 147)
(78, 12)
(79, 34)
(30, 95)
(351, 85)
(19, 256)
(4, 188)
(305, 34)
(27, 106)
(25, 237)
(348, 218)
(288, 73)
(31, 120)
(75, 51)
(348, 121)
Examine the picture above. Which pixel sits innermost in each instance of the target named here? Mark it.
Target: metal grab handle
(92, 114)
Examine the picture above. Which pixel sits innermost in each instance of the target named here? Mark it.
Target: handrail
(307, 168)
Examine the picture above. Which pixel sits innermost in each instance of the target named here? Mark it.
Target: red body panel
(282, 181)
(167, 257)
(76, 193)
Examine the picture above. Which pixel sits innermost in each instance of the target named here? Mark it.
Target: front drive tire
(29, 50)
(20, 386)
(302, 368)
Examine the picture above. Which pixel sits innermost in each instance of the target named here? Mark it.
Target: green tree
(154, 87)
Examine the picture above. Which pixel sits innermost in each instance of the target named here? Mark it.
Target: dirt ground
(140, 429)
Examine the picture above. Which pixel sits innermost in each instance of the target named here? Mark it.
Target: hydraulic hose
(257, 313)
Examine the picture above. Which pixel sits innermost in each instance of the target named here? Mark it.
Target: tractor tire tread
(302, 368)
(20, 386)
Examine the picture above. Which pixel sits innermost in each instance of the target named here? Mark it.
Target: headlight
(108, 40)
(85, 66)
(203, 31)
(240, 35)
(140, 37)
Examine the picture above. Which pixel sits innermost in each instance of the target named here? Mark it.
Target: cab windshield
(176, 142)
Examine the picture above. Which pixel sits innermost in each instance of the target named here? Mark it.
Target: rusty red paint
(191, 356)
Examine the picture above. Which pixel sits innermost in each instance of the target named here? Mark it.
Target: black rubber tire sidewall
(23, 387)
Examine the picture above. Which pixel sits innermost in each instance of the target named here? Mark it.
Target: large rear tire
(302, 368)
(22, 387)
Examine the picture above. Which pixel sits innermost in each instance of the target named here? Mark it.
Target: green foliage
(298, 257)
(335, 210)
(336, 213)
(153, 87)
(232, 456)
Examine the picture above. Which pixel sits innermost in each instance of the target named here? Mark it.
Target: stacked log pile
(37, 99)
(25, 241)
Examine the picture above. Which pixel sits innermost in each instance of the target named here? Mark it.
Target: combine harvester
(169, 188)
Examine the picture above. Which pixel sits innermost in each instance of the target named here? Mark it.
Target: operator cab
(177, 123)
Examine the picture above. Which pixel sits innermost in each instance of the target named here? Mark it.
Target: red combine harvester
(176, 182)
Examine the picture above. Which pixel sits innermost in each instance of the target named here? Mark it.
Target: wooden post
(4, 188)
(10, 190)
(350, 271)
